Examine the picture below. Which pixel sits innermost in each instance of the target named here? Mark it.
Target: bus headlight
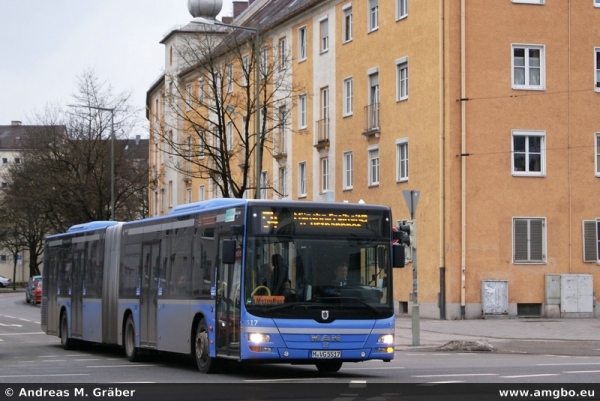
(386, 339)
(259, 338)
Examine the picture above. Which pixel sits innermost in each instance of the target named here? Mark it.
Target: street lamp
(205, 21)
(112, 153)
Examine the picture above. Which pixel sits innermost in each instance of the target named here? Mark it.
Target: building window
(230, 136)
(17, 160)
(301, 179)
(591, 241)
(281, 182)
(348, 94)
(596, 3)
(528, 67)
(528, 149)
(402, 160)
(402, 79)
(324, 174)
(597, 67)
(188, 97)
(302, 40)
(302, 107)
(189, 195)
(348, 180)
(201, 144)
(373, 166)
(156, 203)
(529, 240)
(597, 154)
(5, 160)
(263, 184)
(264, 59)
(401, 9)
(170, 194)
(201, 193)
(347, 33)
(3, 258)
(282, 54)
(229, 72)
(245, 69)
(324, 24)
(373, 15)
(201, 91)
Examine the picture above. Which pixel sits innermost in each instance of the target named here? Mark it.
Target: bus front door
(149, 294)
(77, 294)
(228, 305)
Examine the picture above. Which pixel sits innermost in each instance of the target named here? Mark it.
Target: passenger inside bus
(288, 293)
(279, 275)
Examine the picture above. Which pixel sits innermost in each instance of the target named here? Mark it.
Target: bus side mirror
(398, 256)
(228, 251)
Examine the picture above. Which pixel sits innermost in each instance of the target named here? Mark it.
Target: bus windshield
(299, 276)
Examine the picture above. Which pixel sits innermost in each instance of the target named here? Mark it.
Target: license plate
(326, 354)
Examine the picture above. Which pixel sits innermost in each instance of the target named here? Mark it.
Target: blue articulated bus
(245, 280)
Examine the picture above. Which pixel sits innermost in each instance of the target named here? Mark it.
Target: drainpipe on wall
(441, 161)
(463, 164)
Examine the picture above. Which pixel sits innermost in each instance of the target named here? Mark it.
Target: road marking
(11, 325)
(284, 380)
(391, 367)
(567, 364)
(523, 376)
(121, 366)
(459, 375)
(21, 334)
(582, 371)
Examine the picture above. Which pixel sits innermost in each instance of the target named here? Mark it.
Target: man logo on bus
(324, 314)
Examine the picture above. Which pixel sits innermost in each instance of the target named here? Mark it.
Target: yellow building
(488, 108)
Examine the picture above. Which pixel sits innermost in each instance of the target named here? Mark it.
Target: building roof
(12, 136)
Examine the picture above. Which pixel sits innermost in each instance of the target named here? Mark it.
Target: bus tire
(206, 364)
(329, 366)
(65, 341)
(132, 353)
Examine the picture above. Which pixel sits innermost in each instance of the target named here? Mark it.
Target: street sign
(411, 197)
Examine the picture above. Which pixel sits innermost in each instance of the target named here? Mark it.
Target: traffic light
(410, 233)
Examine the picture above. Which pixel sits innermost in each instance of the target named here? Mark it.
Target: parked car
(4, 282)
(36, 295)
(31, 284)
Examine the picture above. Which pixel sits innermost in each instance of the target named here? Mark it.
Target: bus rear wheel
(206, 364)
(65, 341)
(131, 351)
(329, 366)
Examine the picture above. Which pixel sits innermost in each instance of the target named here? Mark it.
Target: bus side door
(78, 275)
(149, 293)
(228, 305)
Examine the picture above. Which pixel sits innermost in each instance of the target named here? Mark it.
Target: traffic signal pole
(412, 198)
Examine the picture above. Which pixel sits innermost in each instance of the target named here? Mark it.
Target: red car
(36, 294)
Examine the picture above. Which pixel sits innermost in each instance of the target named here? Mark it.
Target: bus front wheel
(206, 364)
(131, 351)
(329, 366)
(65, 341)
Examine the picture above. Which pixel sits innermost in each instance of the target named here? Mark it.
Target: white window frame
(516, 171)
(229, 72)
(597, 68)
(302, 43)
(527, 232)
(527, 67)
(591, 240)
(401, 9)
(264, 62)
(201, 144)
(596, 3)
(348, 96)
(402, 79)
(264, 178)
(402, 159)
(188, 195)
(302, 179)
(537, 2)
(282, 54)
(230, 136)
(302, 110)
(373, 165)
(282, 183)
(348, 170)
(201, 193)
(347, 25)
(170, 194)
(324, 174)
(201, 90)
(597, 147)
(373, 15)
(324, 34)
(245, 69)
(188, 97)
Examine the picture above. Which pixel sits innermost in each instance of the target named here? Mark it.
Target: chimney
(239, 7)
(227, 20)
(15, 123)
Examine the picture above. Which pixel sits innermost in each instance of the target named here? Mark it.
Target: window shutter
(520, 238)
(536, 240)
(590, 241)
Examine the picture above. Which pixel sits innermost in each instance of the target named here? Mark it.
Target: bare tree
(211, 101)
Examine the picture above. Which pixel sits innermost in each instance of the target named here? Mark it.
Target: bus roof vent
(93, 225)
(207, 204)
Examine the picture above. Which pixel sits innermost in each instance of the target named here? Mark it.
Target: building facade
(488, 109)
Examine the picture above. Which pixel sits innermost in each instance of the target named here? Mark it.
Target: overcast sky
(45, 45)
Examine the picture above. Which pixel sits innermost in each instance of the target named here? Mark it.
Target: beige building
(488, 108)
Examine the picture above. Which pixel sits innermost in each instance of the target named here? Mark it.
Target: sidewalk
(529, 335)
